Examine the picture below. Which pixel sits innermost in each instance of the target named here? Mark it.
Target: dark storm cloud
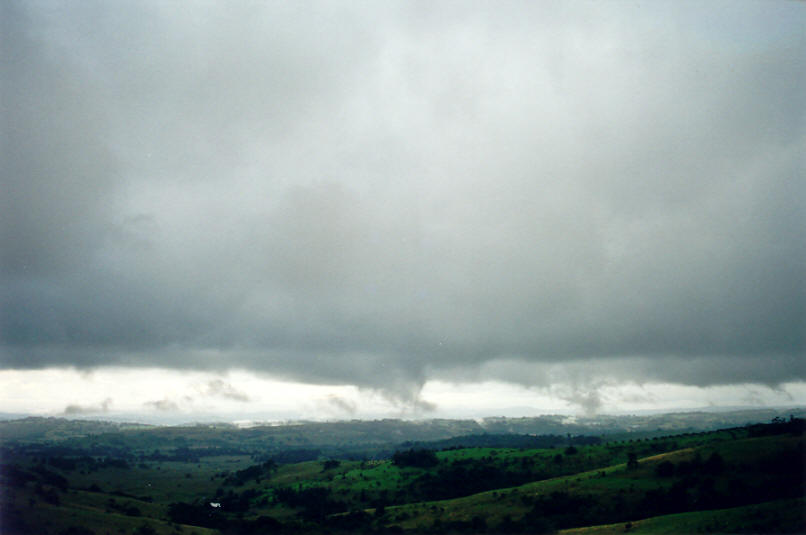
(373, 195)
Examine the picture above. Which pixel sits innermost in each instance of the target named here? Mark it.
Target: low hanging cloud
(587, 399)
(338, 404)
(382, 195)
(164, 405)
(102, 407)
(222, 389)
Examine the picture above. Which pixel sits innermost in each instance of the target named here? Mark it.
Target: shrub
(417, 458)
(330, 464)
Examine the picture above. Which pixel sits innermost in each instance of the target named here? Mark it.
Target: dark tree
(665, 469)
(632, 461)
(714, 465)
(330, 464)
(418, 458)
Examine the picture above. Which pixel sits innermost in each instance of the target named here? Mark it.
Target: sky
(365, 209)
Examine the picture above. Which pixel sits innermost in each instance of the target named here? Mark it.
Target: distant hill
(34, 428)
(375, 438)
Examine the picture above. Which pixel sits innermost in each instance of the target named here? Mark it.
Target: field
(747, 479)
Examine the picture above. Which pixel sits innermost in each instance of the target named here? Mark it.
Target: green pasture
(782, 516)
(77, 508)
(602, 484)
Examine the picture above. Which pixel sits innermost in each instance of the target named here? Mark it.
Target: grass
(78, 508)
(782, 516)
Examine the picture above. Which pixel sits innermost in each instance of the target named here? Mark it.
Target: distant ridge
(395, 431)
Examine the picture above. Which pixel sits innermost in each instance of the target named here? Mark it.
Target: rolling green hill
(742, 479)
(784, 516)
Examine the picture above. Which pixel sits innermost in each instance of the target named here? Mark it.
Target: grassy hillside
(784, 516)
(753, 469)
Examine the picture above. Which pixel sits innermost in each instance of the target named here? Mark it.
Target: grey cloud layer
(373, 195)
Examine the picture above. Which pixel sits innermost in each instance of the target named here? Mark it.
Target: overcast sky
(398, 197)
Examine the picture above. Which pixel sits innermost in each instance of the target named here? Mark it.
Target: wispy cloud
(222, 389)
(338, 405)
(165, 405)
